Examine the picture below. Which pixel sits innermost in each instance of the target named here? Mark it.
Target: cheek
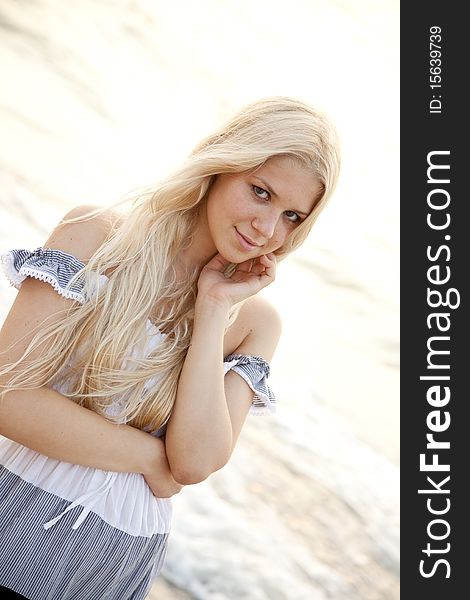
(280, 235)
(241, 210)
(218, 211)
(229, 205)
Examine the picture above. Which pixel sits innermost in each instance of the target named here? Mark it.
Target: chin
(232, 253)
(231, 256)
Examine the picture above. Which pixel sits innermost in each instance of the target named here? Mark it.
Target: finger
(243, 276)
(258, 269)
(245, 266)
(269, 261)
(269, 258)
(269, 274)
(218, 263)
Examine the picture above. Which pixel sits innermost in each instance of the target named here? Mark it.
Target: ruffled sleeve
(255, 371)
(52, 266)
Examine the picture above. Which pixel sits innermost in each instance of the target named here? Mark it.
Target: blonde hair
(101, 338)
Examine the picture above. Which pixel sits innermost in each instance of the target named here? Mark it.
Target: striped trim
(52, 266)
(95, 562)
(255, 371)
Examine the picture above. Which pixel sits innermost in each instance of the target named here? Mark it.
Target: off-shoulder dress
(70, 532)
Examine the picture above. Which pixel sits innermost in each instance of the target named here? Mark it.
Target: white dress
(73, 532)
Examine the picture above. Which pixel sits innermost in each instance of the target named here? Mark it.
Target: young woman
(136, 346)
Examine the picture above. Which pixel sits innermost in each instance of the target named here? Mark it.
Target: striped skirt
(70, 532)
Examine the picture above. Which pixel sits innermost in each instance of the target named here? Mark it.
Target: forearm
(199, 434)
(46, 421)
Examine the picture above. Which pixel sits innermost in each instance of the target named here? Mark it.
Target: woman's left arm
(210, 409)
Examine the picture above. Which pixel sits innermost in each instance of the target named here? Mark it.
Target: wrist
(152, 456)
(209, 317)
(213, 308)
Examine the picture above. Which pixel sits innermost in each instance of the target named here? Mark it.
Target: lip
(246, 242)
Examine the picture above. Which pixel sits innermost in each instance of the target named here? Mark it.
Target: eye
(263, 194)
(292, 216)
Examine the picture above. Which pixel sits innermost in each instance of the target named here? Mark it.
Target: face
(251, 214)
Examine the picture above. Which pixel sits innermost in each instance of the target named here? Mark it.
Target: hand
(162, 487)
(156, 469)
(247, 279)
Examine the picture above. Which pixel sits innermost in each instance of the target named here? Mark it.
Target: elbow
(185, 475)
(189, 477)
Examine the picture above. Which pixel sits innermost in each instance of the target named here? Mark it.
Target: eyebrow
(273, 193)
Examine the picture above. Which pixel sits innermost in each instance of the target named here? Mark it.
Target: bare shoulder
(259, 309)
(83, 230)
(259, 325)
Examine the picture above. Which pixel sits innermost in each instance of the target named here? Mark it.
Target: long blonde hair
(96, 347)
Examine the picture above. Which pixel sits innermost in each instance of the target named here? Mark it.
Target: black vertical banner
(435, 202)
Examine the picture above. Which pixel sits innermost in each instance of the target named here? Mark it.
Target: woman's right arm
(48, 422)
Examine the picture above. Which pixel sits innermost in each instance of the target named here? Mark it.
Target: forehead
(291, 181)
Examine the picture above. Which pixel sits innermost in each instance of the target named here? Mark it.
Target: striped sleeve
(52, 266)
(255, 371)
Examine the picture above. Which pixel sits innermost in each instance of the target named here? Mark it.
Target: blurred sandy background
(99, 97)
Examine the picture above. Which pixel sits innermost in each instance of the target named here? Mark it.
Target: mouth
(245, 242)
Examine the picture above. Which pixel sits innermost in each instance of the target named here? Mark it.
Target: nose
(265, 224)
